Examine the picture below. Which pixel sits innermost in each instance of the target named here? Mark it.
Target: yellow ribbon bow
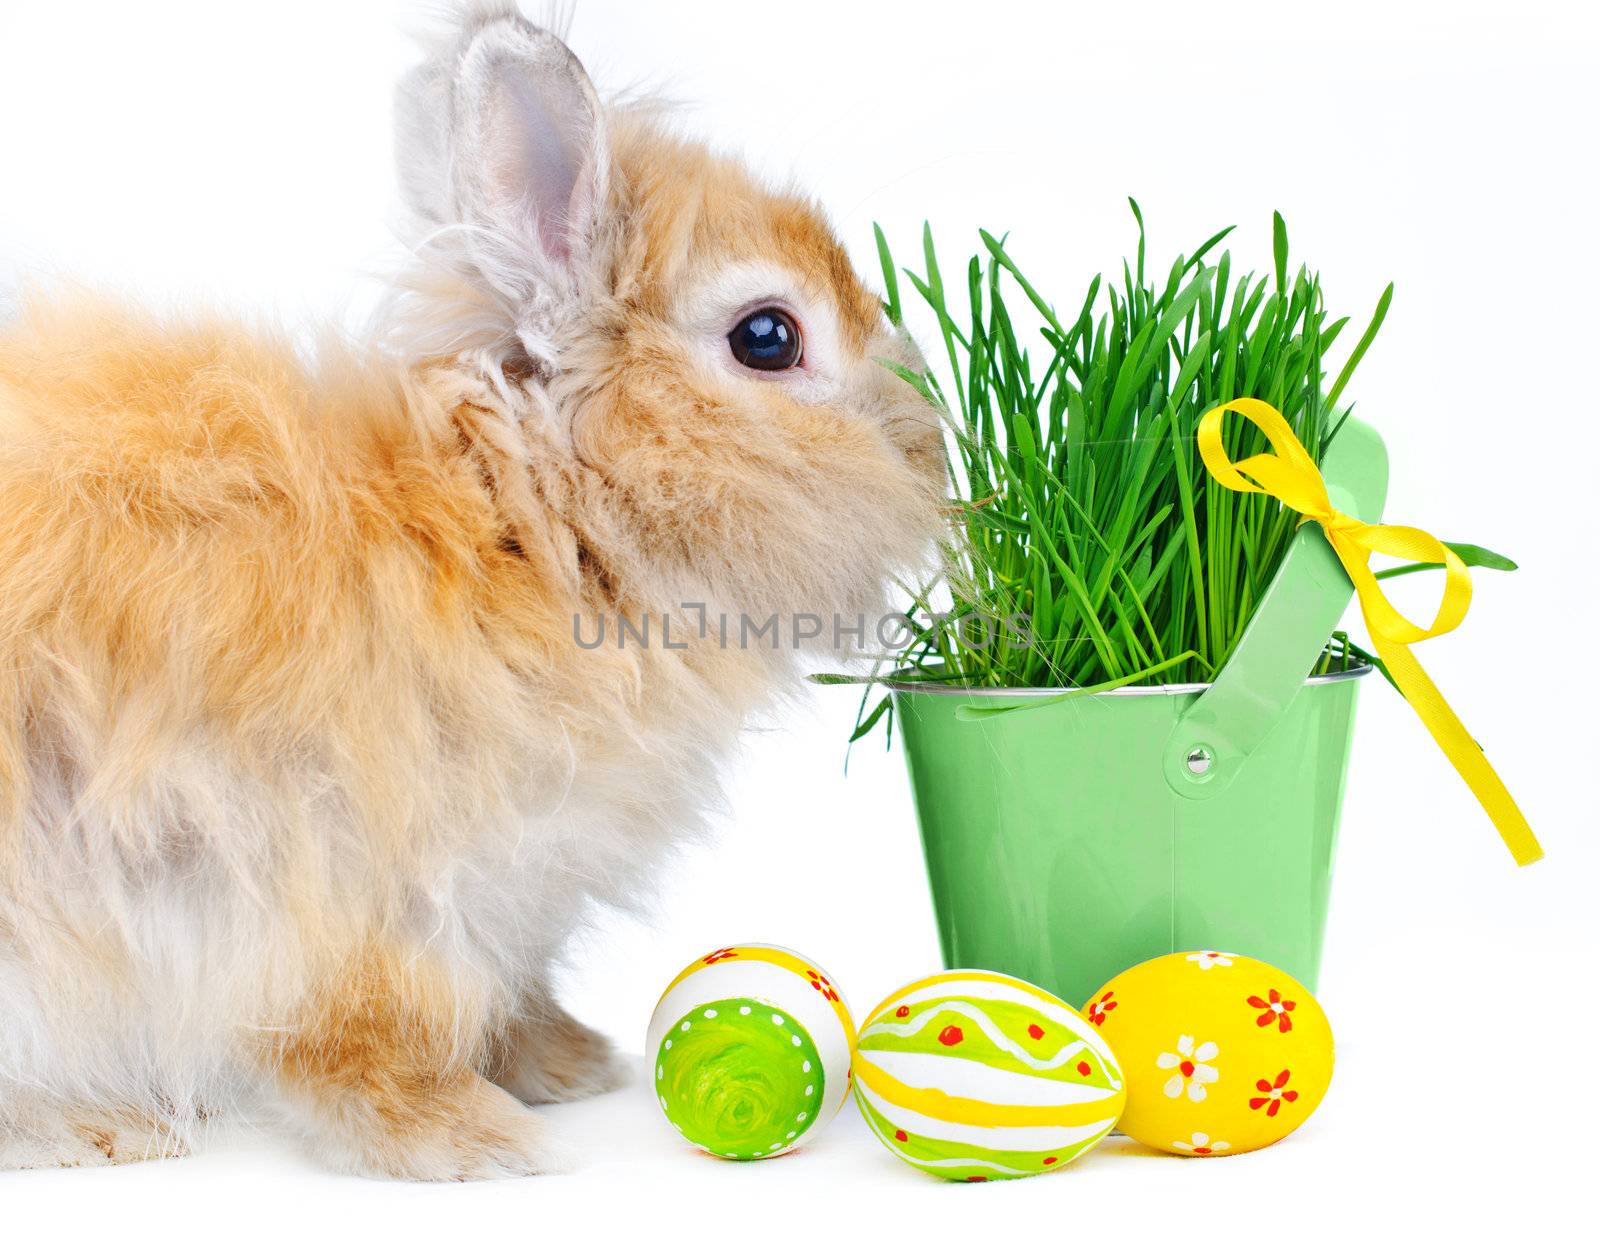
(1289, 474)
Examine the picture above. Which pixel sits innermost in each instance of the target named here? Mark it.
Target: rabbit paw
(43, 1135)
(376, 1079)
(466, 1131)
(486, 1135)
(553, 1058)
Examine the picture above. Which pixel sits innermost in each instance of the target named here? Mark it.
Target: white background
(240, 154)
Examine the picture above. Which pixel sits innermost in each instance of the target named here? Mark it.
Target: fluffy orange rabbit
(304, 773)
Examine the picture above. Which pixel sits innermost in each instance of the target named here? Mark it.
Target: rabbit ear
(528, 151)
(503, 158)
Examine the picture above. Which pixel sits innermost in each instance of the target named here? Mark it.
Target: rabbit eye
(767, 339)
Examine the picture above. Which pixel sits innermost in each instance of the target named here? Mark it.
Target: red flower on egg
(1274, 1094)
(1200, 1144)
(1097, 1011)
(1273, 1009)
(820, 982)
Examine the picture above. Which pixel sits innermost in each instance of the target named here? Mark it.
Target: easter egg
(975, 1076)
(1222, 1053)
(750, 1050)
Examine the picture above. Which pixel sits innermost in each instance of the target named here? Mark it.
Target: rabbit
(307, 771)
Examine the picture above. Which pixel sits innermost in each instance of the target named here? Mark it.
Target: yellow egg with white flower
(1220, 1053)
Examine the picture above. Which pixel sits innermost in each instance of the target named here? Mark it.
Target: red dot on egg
(1084, 1068)
(902, 1011)
(1051, 1160)
(1035, 1031)
(950, 1036)
(900, 1135)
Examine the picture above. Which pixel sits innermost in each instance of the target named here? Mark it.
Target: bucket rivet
(1199, 761)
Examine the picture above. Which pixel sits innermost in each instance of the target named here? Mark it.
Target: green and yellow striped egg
(976, 1076)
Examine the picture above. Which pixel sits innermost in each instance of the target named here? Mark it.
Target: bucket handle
(1286, 634)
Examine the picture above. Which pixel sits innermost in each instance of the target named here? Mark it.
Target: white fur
(517, 820)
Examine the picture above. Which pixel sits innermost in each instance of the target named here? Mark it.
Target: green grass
(1080, 501)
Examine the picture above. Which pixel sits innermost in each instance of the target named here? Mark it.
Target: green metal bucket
(1056, 851)
(1068, 839)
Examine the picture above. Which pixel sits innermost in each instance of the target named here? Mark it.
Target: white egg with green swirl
(750, 1048)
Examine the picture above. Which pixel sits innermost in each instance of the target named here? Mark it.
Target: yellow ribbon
(1289, 474)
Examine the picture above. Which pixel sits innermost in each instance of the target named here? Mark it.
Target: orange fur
(304, 777)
